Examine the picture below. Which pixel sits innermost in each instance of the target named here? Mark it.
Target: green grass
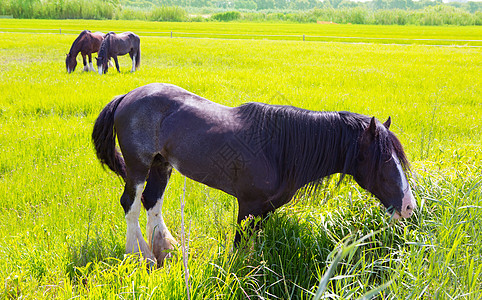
(62, 228)
(387, 34)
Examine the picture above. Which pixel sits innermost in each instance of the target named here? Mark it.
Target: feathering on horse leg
(159, 237)
(84, 60)
(135, 243)
(90, 66)
(133, 63)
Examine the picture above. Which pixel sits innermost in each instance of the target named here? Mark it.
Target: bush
(227, 16)
(446, 15)
(168, 14)
(130, 14)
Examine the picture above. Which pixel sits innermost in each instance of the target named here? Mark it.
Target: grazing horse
(86, 43)
(119, 44)
(261, 154)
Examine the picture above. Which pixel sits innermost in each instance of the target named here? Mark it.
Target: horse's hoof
(163, 247)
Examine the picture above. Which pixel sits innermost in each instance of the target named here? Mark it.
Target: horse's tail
(138, 57)
(104, 136)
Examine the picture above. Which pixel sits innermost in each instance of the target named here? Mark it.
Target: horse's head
(102, 64)
(70, 63)
(380, 169)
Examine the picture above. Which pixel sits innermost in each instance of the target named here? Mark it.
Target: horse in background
(119, 44)
(86, 43)
(261, 154)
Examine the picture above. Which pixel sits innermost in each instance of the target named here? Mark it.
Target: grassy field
(62, 228)
(390, 34)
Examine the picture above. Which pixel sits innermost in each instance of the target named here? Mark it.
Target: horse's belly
(224, 166)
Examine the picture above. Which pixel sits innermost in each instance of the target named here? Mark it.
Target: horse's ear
(387, 123)
(372, 128)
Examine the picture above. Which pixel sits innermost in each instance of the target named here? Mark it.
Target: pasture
(62, 228)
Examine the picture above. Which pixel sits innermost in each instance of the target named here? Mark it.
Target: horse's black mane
(311, 144)
(81, 35)
(105, 45)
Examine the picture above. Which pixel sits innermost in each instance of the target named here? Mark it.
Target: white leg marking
(135, 243)
(91, 67)
(155, 222)
(159, 237)
(133, 63)
(100, 70)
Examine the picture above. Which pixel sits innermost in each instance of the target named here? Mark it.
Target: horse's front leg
(248, 211)
(84, 60)
(91, 66)
(160, 240)
(116, 63)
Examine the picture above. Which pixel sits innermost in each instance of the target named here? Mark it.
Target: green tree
(245, 4)
(265, 4)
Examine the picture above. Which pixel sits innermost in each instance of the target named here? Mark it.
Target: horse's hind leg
(116, 63)
(131, 202)
(158, 235)
(133, 57)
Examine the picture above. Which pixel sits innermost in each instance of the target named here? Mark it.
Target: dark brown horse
(261, 154)
(119, 44)
(86, 43)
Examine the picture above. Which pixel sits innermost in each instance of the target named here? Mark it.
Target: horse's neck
(75, 49)
(333, 148)
(345, 148)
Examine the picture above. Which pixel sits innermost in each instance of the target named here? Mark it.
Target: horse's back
(191, 133)
(128, 35)
(159, 101)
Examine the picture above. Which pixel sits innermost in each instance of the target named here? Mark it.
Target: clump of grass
(95, 248)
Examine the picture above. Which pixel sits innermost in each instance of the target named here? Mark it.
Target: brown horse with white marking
(261, 154)
(86, 43)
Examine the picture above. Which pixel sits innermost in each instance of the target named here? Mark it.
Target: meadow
(384, 34)
(62, 228)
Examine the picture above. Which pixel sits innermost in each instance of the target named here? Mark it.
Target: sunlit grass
(62, 227)
(385, 34)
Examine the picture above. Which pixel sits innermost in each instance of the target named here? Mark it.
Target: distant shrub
(227, 16)
(391, 17)
(276, 17)
(66, 9)
(254, 17)
(168, 14)
(478, 18)
(197, 19)
(446, 15)
(131, 13)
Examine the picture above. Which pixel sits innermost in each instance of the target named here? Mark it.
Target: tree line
(257, 5)
(400, 12)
